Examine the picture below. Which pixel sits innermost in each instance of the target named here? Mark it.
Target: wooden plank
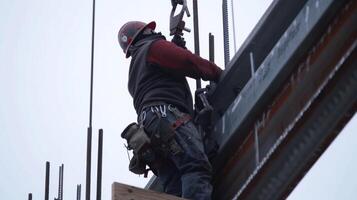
(126, 192)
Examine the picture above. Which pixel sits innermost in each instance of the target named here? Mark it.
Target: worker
(161, 96)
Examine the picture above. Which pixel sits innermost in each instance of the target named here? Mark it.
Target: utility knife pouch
(164, 137)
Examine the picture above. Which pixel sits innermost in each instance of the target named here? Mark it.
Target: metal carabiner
(156, 110)
(163, 110)
(177, 25)
(142, 118)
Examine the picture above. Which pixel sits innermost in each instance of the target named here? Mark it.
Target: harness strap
(182, 120)
(160, 111)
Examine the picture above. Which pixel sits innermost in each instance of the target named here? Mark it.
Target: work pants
(186, 174)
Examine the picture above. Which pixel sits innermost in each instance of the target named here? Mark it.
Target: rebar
(89, 155)
(196, 36)
(79, 192)
(225, 32)
(47, 180)
(99, 168)
(234, 27)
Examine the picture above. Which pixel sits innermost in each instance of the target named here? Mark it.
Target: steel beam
(260, 41)
(300, 36)
(310, 109)
(297, 151)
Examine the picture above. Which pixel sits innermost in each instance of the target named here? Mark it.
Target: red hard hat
(129, 31)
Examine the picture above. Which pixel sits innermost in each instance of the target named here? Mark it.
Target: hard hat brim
(151, 25)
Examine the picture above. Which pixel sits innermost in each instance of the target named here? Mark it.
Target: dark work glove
(179, 41)
(203, 109)
(211, 88)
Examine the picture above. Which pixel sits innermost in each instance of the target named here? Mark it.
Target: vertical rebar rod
(225, 32)
(256, 142)
(92, 68)
(61, 182)
(234, 27)
(211, 48)
(30, 196)
(47, 180)
(196, 36)
(89, 131)
(99, 168)
(252, 64)
(79, 192)
(89, 155)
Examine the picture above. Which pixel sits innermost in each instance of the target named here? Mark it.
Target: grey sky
(44, 75)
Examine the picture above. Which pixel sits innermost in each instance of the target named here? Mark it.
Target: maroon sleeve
(182, 61)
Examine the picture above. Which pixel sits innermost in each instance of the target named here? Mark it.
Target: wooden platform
(126, 192)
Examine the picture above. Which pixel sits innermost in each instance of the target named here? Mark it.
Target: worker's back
(149, 82)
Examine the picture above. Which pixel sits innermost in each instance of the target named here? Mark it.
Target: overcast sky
(44, 87)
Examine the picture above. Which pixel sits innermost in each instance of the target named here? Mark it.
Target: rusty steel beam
(313, 105)
(294, 44)
(260, 41)
(295, 152)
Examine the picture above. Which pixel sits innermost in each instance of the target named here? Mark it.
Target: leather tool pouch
(140, 143)
(149, 151)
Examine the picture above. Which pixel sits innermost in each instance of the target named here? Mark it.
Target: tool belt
(149, 151)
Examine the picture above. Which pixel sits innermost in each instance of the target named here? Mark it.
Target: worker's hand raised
(179, 41)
